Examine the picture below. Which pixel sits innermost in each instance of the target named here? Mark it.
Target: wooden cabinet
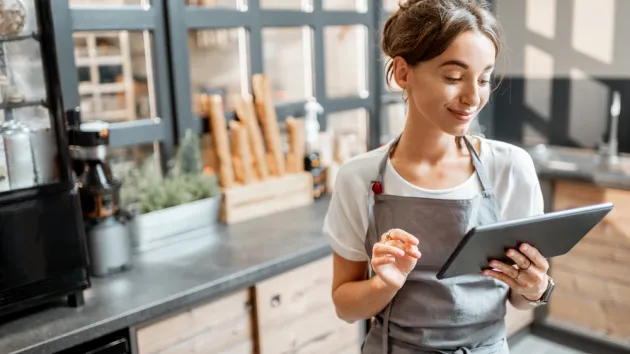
(295, 314)
(223, 326)
(592, 291)
(292, 313)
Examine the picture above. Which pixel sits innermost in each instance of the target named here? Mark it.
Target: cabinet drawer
(294, 294)
(318, 332)
(219, 325)
(234, 338)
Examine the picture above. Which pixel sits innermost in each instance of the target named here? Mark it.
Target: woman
(405, 206)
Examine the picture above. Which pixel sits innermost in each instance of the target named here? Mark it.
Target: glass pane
(347, 76)
(28, 150)
(302, 5)
(115, 75)
(240, 5)
(391, 5)
(345, 5)
(108, 2)
(219, 64)
(393, 121)
(288, 62)
(353, 126)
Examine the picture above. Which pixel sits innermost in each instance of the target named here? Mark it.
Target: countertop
(582, 165)
(213, 263)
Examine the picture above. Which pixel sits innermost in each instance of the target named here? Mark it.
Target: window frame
(182, 18)
(120, 18)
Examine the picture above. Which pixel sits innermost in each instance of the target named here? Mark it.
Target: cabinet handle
(275, 301)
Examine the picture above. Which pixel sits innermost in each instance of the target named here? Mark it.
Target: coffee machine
(107, 225)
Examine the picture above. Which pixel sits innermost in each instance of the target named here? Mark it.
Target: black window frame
(144, 130)
(169, 22)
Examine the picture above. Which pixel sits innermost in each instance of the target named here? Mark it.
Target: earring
(405, 95)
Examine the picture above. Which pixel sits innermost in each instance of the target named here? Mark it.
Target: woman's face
(450, 89)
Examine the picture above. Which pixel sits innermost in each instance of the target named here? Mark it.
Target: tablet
(553, 234)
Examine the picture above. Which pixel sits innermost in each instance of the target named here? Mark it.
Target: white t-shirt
(509, 169)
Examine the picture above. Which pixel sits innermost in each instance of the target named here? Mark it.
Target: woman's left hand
(529, 279)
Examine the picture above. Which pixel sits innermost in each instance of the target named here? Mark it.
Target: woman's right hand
(395, 256)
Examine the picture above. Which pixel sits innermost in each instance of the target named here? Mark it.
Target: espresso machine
(107, 225)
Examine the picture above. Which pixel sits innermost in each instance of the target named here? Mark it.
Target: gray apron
(459, 315)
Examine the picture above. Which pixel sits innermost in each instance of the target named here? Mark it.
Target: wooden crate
(269, 196)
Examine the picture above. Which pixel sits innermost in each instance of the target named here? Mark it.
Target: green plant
(145, 190)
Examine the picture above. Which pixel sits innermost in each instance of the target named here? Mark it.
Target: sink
(579, 161)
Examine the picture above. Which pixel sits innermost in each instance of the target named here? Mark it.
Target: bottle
(312, 160)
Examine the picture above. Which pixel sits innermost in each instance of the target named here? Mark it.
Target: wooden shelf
(22, 104)
(19, 37)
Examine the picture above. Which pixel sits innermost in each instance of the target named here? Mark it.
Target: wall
(563, 60)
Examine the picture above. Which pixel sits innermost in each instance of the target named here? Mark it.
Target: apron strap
(379, 179)
(476, 160)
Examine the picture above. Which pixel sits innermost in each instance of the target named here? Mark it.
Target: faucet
(610, 153)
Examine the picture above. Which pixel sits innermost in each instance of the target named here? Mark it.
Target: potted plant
(167, 208)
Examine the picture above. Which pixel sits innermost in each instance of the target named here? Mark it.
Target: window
(219, 63)
(126, 158)
(240, 5)
(392, 121)
(115, 75)
(345, 5)
(391, 5)
(288, 62)
(353, 124)
(346, 59)
(300, 5)
(107, 2)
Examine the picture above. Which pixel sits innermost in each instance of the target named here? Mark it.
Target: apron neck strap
(476, 160)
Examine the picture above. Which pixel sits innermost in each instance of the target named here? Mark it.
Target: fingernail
(493, 264)
(510, 252)
(525, 247)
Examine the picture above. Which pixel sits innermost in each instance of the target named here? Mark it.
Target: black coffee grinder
(106, 223)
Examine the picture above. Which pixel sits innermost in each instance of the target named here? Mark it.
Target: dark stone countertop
(580, 165)
(175, 277)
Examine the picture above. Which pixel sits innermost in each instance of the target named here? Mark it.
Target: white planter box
(170, 225)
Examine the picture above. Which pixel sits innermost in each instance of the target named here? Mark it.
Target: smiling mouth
(463, 115)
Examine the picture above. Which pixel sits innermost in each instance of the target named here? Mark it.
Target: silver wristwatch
(544, 299)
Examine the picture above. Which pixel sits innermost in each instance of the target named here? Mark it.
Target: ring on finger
(529, 264)
(518, 273)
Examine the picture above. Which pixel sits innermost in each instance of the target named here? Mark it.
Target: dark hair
(420, 30)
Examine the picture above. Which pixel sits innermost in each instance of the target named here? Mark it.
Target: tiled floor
(536, 345)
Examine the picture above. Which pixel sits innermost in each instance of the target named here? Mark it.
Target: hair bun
(420, 30)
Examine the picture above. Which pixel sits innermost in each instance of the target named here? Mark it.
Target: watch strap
(544, 299)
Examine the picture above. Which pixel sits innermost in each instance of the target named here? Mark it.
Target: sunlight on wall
(593, 28)
(540, 17)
